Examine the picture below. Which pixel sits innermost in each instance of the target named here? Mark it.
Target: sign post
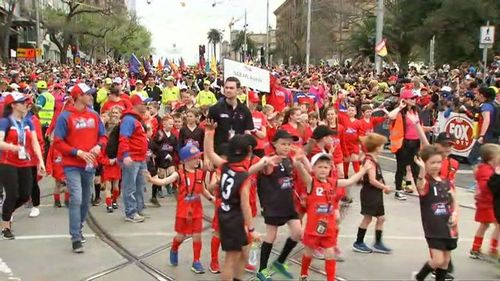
(486, 40)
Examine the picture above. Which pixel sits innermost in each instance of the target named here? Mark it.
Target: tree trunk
(5, 32)
(215, 51)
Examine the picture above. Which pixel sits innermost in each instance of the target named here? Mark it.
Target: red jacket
(133, 138)
(484, 198)
(78, 130)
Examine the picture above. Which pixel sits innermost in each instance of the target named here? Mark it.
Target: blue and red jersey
(78, 130)
(133, 138)
(11, 128)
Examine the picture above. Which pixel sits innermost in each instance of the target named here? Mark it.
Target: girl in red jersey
(351, 138)
(189, 212)
(485, 215)
(439, 212)
(292, 123)
(331, 120)
(321, 225)
(111, 172)
(371, 197)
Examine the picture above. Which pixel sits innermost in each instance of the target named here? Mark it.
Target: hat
(393, 78)
(206, 82)
(78, 90)
(14, 86)
(238, 147)
(41, 84)
(446, 89)
(282, 134)
(139, 81)
(108, 81)
(322, 131)
(189, 152)
(407, 93)
(424, 89)
(320, 156)
(469, 95)
(170, 78)
(117, 80)
(253, 97)
(445, 138)
(14, 97)
(139, 100)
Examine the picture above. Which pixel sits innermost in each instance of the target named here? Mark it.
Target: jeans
(133, 185)
(79, 183)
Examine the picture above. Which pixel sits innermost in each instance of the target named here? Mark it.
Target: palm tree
(214, 36)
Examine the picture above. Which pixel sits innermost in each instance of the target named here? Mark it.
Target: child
(439, 212)
(190, 132)
(98, 187)
(351, 152)
(484, 200)
(313, 120)
(189, 212)
(178, 123)
(371, 196)
(275, 187)
(55, 169)
(320, 228)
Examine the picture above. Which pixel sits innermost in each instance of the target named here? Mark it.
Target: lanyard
(21, 133)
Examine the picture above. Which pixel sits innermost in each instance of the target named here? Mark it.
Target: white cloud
(186, 27)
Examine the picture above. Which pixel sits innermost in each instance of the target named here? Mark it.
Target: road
(117, 250)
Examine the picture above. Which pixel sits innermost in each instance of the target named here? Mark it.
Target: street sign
(487, 35)
(26, 53)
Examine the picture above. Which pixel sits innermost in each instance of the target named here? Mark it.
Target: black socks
(361, 235)
(426, 269)
(378, 236)
(441, 274)
(265, 252)
(97, 189)
(289, 245)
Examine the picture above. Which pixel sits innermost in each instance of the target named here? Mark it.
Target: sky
(179, 26)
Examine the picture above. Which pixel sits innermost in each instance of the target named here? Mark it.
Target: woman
(18, 143)
(292, 123)
(405, 142)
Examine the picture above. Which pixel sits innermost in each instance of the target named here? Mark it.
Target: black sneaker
(347, 200)
(109, 209)
(84, 240)
(448, 276)
(57, 204)
(155, 202)
(400, 196)
(114, 205)
(77, 247)
(7, 234)
(96, 202)
(66, 204)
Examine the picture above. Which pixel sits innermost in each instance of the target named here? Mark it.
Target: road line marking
(51, 236)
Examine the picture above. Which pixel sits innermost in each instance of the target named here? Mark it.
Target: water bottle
(253, 255)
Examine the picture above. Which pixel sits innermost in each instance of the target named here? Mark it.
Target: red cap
(253, 97)
(424, 89)
(139, 100)
(78, 90)
(407, 92)
(14, 97)
(393, 78)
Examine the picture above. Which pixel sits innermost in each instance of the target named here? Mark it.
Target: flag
(166, 66)
(134, 65)
(381, 49)
(159, 66)
(182, 64)
(213, 66)
(147, 65)
(173, 66)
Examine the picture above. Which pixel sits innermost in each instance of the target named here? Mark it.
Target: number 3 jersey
(436, 208)
(320, 209)
(230, 187)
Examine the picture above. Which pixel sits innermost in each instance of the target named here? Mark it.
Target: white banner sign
(250, 76)
(462, 128)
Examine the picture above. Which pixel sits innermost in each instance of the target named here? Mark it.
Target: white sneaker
(35, 212)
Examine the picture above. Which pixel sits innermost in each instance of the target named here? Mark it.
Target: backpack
(495, 123)
(113, 141)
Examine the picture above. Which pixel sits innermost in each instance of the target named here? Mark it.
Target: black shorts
(233, 236)
(279, 221)
(372, 201)
(443, 244)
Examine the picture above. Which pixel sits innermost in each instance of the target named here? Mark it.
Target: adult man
(205, 96)
(139, 89)
(115, 99)
(232, 116)
(170, 94)
(102, 93)
(79, 136)
(132, 151)
(46, 102)
(486, 97)
(154, 92)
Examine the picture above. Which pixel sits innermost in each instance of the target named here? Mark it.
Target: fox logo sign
(462, 130)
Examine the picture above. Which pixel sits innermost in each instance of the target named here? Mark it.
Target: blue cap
(188, 152)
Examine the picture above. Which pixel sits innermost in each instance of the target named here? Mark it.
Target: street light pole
(308, 39)
(38, 33)
(267, 34)
(378, 34)
(245, 47)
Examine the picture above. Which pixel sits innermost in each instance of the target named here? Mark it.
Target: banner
(250, 76)
(462, 128)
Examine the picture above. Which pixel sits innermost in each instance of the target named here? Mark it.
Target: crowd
(286, 154)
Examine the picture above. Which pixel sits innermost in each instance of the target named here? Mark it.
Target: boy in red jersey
(189, 212)
(321, 225)
(484, 200)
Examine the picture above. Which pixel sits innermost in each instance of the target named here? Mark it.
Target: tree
(214, 36)
(5, 29)
(239, 41)
(362, 41)
(63, 26)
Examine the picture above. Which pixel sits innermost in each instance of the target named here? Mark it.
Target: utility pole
(38, 33)
(245, 47)
(267, 34)
(308, 39)
(431, 51)
(378, 34)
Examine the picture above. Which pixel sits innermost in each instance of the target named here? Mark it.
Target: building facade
(332, 23)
